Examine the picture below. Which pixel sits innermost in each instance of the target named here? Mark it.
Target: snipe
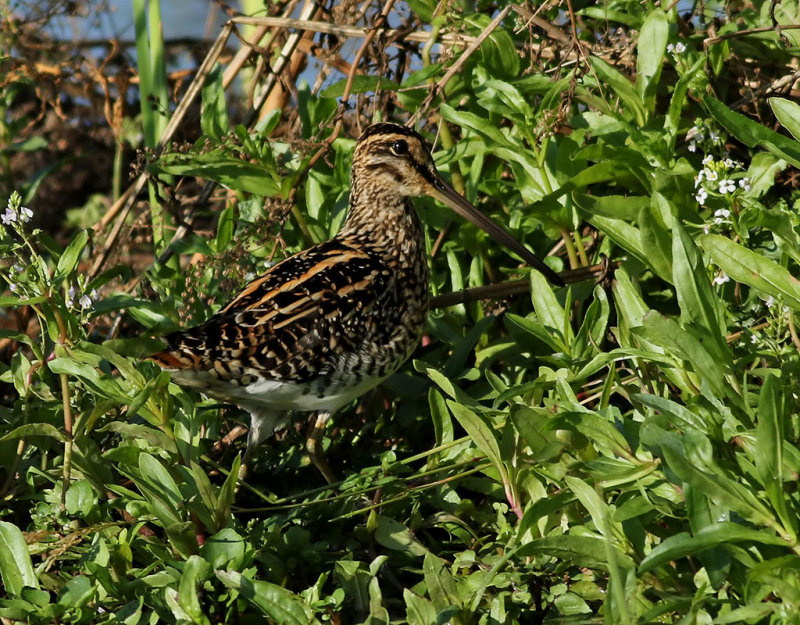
(322, 327)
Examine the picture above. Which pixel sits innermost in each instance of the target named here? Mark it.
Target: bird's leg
(314, 447)
(262, 424)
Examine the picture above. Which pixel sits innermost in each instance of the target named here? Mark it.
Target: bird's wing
(292, 321)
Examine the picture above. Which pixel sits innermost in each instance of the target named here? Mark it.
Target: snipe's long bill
(323, 326)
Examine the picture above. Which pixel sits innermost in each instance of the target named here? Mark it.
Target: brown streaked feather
(337, 299)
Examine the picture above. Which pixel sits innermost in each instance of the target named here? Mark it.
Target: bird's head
(393, 159)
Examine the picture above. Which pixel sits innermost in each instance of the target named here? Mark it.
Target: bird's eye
(399, 147)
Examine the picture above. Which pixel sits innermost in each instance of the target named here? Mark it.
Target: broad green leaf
(769, 449)
(440, 583)
(79, 498)
(753, 134)
(195, 571)
(69, 259)
(133, 431)
(577, 550)
(481, 433)
(669, 336)
(592, 331)
(597, 508)
(213, 112)
(611, 206)
(229, 172)
(601, 432)
(226, 495)
(622, 88)
(698, 302)
(683, 544)
(78, 592)
(34, 429)
(650, 55)
(753, 269)
(224, 547)
(16, 567)
(395, 536)
(274, 602)
(656, 237)
(549, 312)
(788, 114)
(419, 611)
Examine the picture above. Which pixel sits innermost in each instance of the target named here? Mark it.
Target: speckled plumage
(322, 327)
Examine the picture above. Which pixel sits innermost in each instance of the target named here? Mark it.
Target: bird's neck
(387, 223)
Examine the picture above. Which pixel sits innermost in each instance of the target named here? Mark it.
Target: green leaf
(769, 449)
(622, 88)
(682, 544)
(69, 259)
(195, 571)
(650, 57)
(229, 172)
(79, 498)
(656, 237)
(151, 435)
(274, 602)
(549, 312)
(753, 134)
(481, 433)
(788, 114)
(395, 536)
(16, 567)
(419, 611)
(214, 120)
(224, 547)
(440, 583)
(753, 269)
(34, 429)
(668, 335)
(591, 552)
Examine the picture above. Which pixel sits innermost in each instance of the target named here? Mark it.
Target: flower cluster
(704, 137)
(676, 48)
(84, 301)
(720, 180)
(15, 213)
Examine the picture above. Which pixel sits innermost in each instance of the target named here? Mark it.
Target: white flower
(744, 183)
(85, 301)
(692, 147)
(19, 268)
(679, 48)
(711, 175)
(71, 292)
(713, 135)
(753, 339)
(706, 229)
(721, 279)
(670, 47)
(770, 301)
(9, 216)
(722, 212)
(708, 160)
(701, 196)
(727, 186)
(26, 214)
(699, 178)
(729, 163)
(13, 287)
(93, 294)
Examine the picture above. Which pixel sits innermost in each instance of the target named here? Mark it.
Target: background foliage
(624, 449)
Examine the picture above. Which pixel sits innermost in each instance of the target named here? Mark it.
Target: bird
(322, 327)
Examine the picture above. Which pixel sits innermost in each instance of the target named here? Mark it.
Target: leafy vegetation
(624, 449)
